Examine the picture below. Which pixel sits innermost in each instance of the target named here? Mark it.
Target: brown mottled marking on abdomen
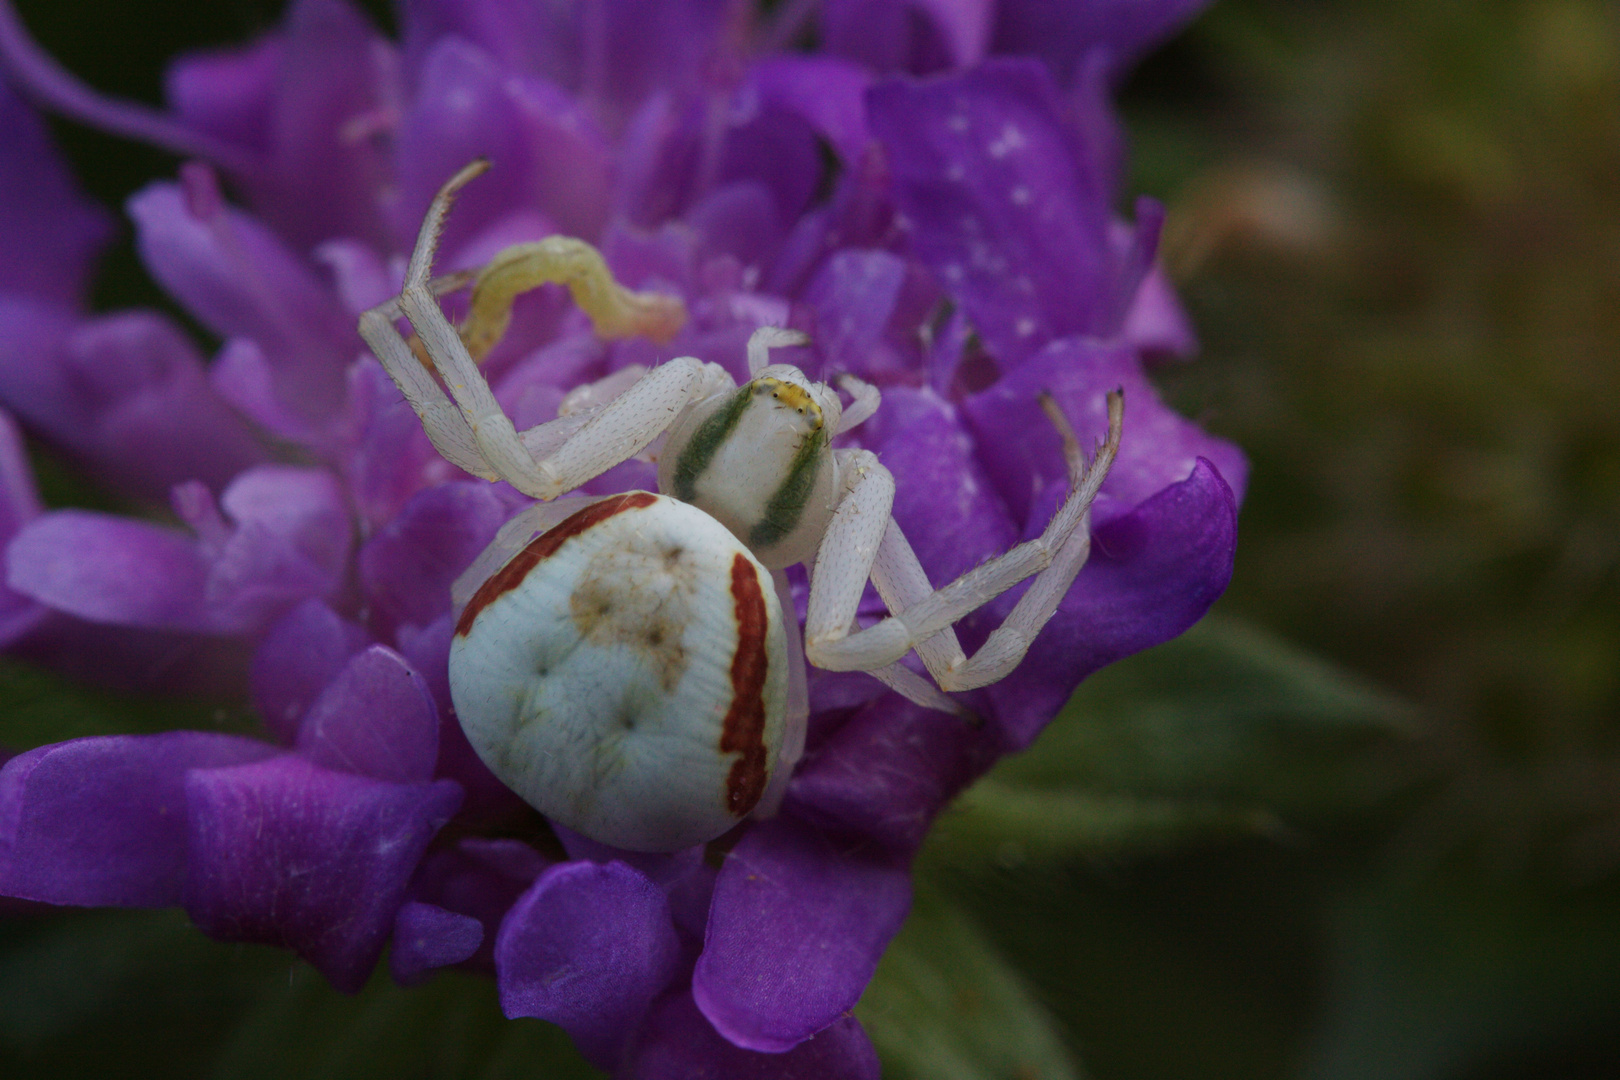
(542, 548)
(744, 728)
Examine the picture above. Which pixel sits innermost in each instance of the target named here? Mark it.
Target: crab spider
(629, 671)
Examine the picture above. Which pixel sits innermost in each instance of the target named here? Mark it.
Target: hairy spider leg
(474, 432)
(865, 542)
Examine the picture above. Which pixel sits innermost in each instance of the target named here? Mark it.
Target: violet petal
(853, 295)
(927, 758)
(408, 566)
(1020, 447)
(891, 35)
(227, 92)
(1062, 31)
(480, 879)
(427, 937)
(463, 110)
(132, 374)
(110, 569)
(239, 279)
(291, 541)
(103, 820)
(826, 92)
(588, 947)
(376, 718)
(488, 801)
(1153, 572)
(986, 176)
(19, 504)
(333, 72)
(679, 1043)
(796, 927)
(52, 231)
(944, 501)
(300, 654)
(288, 853)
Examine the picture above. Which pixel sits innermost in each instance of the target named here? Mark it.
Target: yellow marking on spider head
(791, 395)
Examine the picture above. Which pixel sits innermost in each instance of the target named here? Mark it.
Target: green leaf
(1433, 975)
(119, 993)
(1009, 824)
(450, 1027)
(92, 994)
(1226, 713)
(944, 1005)
(39, 706)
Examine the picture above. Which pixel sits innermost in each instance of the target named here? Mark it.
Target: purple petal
(1156, 323)
(108, 390)
(308, 100)
(854, 294)
(685, 877)
(630, 49)
(614, 53)
(678, 1043)
(291, 541)
(334, 76)
(522, 36)
(408, 566)
(299, 655)
(944, 502)
(795, 931)
(240, 280)
(1153, 572)
(738, 219)
(488, 801)
(548, 155)
(112, 570)
(480, 879)
(926, 758)
(359, 274)
(827, 93)
(52, 231)
(390, 457)
(227, 92)
(1062, 31)
(19, 504)
(288, 853)
(132, 374)
(375, 719)
(427, 937)
(1020, 447)
(964, 25)
(774, 147)
(588, 947)
(891, 35)
(987, 178)
(102, 820)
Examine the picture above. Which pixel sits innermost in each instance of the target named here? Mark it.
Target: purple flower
(956, 248)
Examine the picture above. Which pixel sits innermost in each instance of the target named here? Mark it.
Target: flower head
(949, 239)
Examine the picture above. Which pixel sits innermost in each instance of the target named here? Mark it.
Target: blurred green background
(1364, 822)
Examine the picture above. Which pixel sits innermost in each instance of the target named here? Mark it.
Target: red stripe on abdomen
(743, 731)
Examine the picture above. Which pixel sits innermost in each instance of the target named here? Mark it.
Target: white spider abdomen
(626, 674)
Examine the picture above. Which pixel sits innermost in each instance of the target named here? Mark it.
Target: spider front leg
(468, 426)
(863, 541)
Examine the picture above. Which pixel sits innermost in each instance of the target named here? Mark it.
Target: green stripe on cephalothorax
(706, 442)
(787, 503)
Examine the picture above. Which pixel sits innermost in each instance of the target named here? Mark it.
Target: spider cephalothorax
(629, 671)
